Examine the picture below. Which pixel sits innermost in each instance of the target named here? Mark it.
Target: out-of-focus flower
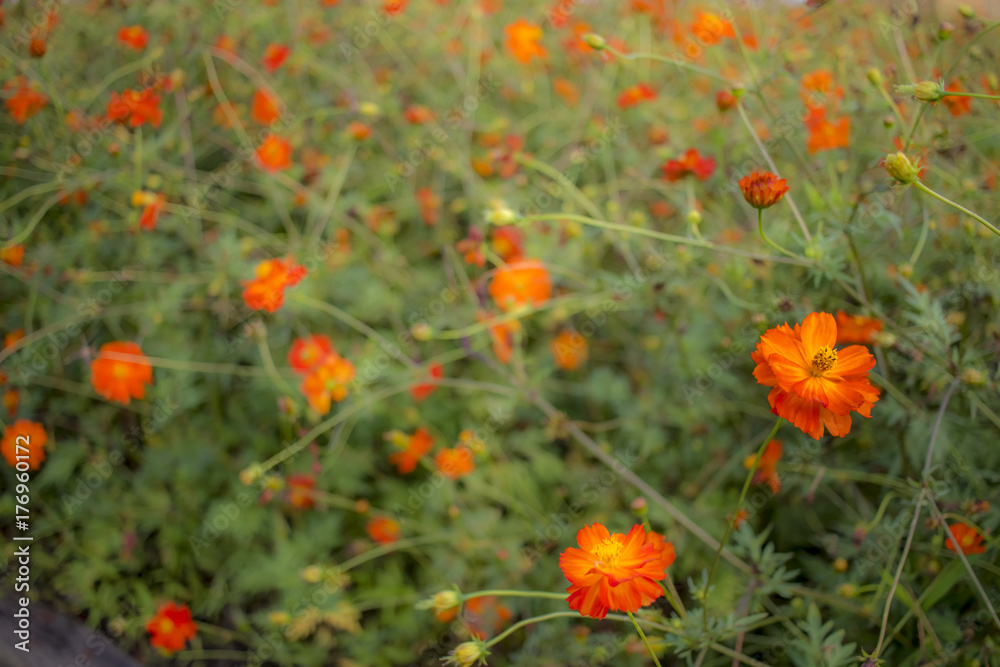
(120, 379)
(690, 164)
(25, 101)
(422, 390)
(307, 353)
(24, 438)
(137, 107)
(383, 529)
(274, 57)
(456, 462)
(264, 109)
(569, 349)
(274, 153)
(767, 472)
(968, 538)
(411, 448)
(328, 382)
(271, 278)
(134, 36)
(171, 628)
(523, 41)
(634, 95)
(521, 283)
(13, 255)
(856, 328)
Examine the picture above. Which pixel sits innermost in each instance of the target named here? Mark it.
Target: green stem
(920, 186)
(923, 238)
(979, 95)
(760, 226)
(515, 594)
(968, 46)
(913, 128)
(645, 641)
(671, 61)
(529, 621)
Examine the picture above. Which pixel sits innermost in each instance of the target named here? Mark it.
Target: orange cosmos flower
(856, 328)
(421, 391)
(612, 572)
(664, 548)
(503, 336)
(138, 107)
(968, 538)
(567, 90)
(471, 248)
(633, 95)
(824, 135)
(275, 153)
(12, 337)
(13, 255)
(523, 41)
(690, 164)
(119, 379)
(274, 57)
(766, 470)
(31, 437)
(413, 447)
(710, 28)
(328, 382)
(814, 385)
(264, 110)
(570, 350)
(383, 530)
(394, 7)
(359, 131)
(309, 352)
(418, 114)
(763, 189)
(171, 628)
(430, 206)
(153, 203)
(134, 36)
(267, 290)
(521, 283)
(957, 105)
(485, 616)
(508, 242)
(26, 100)
(816, 88)
(455, 463)
(300, 491)
(226, 43)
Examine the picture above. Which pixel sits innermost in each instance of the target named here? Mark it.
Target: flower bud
(966, 11)
(900, 168)
(640, 507)
(312, 574)
(840, 565)
(973, 377)
(694, 217)
(468, 654)
(925, 91)
(422, 331)
(874, 76)
(595, 42)
(725, 100)
(945, 30)
(889, 121)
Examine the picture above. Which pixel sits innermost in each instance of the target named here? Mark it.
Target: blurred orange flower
(383, 529)
(957, 105)
(31, 438)
(359, 131)
(421, 391)
(418, 114)
(26, 100)
(455, 463)
(307, 353)
(825, 135)
(508, 242)
(138, 107)
(690, 164)
(271, 277)
(856, 328)
(413, 448)
(570, 349)
(521, 283)
(274, 57)
(612, 572)
(725, 100)
(300, 491)
(264, 110)
(968, 538)
(171, 628)
(815, 385)
(523, 41)
(485, 616)
(502, 334)
(634, 95)
(430, 206)
(134, 37)
(710, 28)
(13, 255)
(11, 401)
(328, 382)
(766, 470)
(117, 379)
(153, 203)
(275, 153)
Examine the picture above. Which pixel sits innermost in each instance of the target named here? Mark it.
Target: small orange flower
(418, 114)
(24, 438)
(12, 337)
(957, 105)
(455, 463)
(635, 95)
(275, 153)
(13, 255)
(267, 290)
(430, 206)
(471, 248)
(309, 352)
(968, 538)
(171, 628)
(521, 283)
(763, 189)
(26, 100)
(816, 88)
(766, 470)
(567, 90)
(825, 135)
(300, 491)
(264, 110)
(421, 391)
(710, 28)
(503, 335)
(523, 41)
(612, 572)
(119, 379)
(134, 37)
(328, 382)
(814, 385)
(508, 242)
(274, 57)
(690, 164)
(725, 100)
(485, 616)
(153, 203)
(856, 328)
(359, 131)
(413, 448)
(11, 400)
(138, 107)
(394, 7)
(570, 350)
(383, 529)
(226, 43)
(664, 548)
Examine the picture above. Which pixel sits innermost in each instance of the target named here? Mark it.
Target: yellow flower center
(824, 360)
(608, 551)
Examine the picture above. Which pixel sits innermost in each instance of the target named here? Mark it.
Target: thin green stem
(923, 188)
(671, 61)
(984, 32)
(760, 227)
(979, 95)
(529, 621)
(913, 127)
(514, 594)
(642, 635)
(923, 239)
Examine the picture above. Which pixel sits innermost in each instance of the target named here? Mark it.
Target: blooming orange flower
(968, 538)
(118, 379)
(710, 28)
(612, 572)
(523, 41)
(26, 100)
(763, 189)
(521, 283)
(359, 131)
(383, 529)
(134, 36)
(570, 350)
(455, 463)
(690, 164)
(171, 628)
(264, 110)
(418, 114)
(634, 95)
(274, 57)
(31, 437)
(309, 352)
(485, 616)
(275, 153)
(394, 7)
(508, 242)
(664, 548)
(957, 105)
(815, 385)
(413, 448)
(13, 255)
(267, 290)
(856, 328)
(816, 88)
(766, 470)
(421, 391)
(138, 107)
(430, 206)
(825, 135)
(328, 382)
(300, 491)
(153, 203)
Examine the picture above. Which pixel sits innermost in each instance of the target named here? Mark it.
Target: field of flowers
(577, 332)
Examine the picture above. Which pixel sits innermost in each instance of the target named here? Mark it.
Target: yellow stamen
(608, 551)
(824, 360)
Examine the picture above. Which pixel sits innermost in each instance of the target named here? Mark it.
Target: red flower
(267, 290)
(421, 391)
(690, 164)
(137, 106)
(264, 110)
(763, 189)
(634, 95)
(309, 352)
(968, 538)
(413, 448)
(134, 36)
(120, 379)
(274, 57)
(25, 102)
(171, 628)
(275, 153)
(383, 530)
